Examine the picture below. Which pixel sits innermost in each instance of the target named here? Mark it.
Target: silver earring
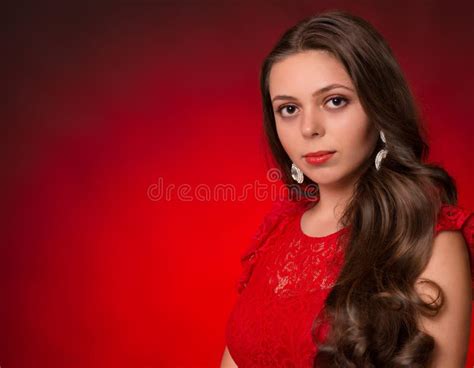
(382, 153)
(296, 173)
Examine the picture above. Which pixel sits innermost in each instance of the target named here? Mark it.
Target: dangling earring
(296, 173)
(382, 153)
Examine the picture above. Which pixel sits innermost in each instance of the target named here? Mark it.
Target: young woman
(374, 270)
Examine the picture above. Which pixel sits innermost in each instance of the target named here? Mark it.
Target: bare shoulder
(449, 267)
(227, 361)
(449, 262)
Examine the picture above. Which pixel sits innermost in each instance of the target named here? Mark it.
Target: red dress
(285, 280)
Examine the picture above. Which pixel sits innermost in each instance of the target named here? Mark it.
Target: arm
(227, 361)
(449, 268)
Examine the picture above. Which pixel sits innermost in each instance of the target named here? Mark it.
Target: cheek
(358, 141)
(285, 134)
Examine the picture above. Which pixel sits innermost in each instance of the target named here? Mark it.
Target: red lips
(318, 153)
(319, 157)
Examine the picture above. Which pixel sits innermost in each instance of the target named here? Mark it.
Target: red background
(102, 101)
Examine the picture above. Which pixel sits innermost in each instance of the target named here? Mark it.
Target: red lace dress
(285, 280)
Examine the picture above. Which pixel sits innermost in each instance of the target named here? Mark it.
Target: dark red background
(102, 101)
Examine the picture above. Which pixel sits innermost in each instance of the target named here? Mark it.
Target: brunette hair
(374, 306)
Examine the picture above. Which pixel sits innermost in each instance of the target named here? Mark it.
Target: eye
(289, 108)
(338, 102)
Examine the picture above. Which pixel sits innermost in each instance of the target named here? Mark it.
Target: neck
(332, 203)
(333, 199)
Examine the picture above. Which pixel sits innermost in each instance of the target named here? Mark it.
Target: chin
(329, 179)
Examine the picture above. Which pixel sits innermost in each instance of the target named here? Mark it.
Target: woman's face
(312, 114)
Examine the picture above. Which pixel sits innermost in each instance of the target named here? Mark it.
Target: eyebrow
(318, 92)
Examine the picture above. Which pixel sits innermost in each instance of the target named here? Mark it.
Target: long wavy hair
(374, 306)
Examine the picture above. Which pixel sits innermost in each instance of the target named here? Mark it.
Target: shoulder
(281, 211)
(454, 229)
(450, 267)
(452, 256)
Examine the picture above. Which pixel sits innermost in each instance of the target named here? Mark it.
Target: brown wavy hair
(374, 306)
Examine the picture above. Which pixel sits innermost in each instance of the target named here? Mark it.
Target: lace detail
(451, 217)
(305, 267)
(286, 278)
(276, 219)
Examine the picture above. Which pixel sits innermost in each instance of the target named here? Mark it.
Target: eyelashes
(281, 108)
(340, 99)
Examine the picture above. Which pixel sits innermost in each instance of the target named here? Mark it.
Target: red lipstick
(315, 158)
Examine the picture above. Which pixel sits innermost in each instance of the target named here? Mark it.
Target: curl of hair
(374, 306)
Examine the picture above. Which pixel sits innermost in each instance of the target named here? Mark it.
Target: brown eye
(338, 102)
(290, 109)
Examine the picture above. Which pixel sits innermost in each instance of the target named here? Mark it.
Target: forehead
(307, 71)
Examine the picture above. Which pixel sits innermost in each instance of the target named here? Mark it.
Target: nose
(311, 124)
